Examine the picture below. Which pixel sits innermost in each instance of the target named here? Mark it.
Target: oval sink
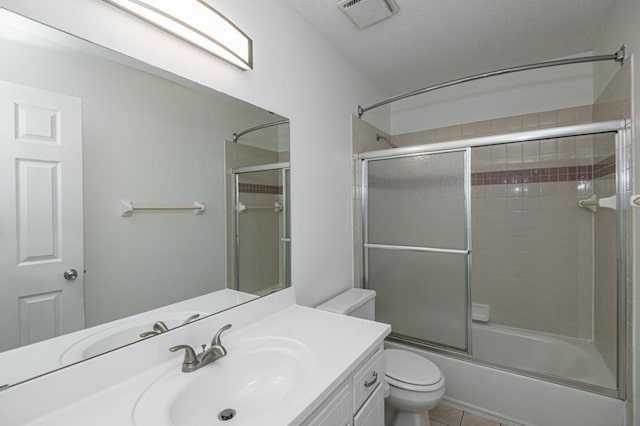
(117, 336)
(257, 378)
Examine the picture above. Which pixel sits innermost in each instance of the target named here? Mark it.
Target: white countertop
(338, 343)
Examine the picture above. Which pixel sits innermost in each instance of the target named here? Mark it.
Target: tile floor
(444, 415)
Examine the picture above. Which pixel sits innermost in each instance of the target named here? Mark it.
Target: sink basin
(257, 378)
(120, 335)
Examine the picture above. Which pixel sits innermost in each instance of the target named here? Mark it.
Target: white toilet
(416, 384)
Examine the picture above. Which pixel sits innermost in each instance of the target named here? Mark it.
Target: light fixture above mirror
(197, 23)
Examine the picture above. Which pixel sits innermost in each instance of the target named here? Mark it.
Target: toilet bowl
(416, 384)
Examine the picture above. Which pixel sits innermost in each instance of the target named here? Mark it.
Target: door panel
(417, 247)
(37, 211)
(422, 295)
(39, 317)
(41, 230)
(417, 201)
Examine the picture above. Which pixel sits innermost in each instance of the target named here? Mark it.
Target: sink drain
(227, 414)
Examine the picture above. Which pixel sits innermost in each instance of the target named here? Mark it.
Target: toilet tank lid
(411, 368)
(347, 302)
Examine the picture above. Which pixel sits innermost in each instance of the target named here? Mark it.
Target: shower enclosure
(262, 242)
(505, 250)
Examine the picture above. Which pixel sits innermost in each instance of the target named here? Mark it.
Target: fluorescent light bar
(197, 23)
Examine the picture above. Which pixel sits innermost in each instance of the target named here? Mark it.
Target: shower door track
(552, 133)
(621, 129)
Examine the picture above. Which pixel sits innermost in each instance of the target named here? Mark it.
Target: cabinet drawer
(367, 378)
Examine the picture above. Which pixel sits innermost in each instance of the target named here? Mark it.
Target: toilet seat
(410, 371)
(415, 388)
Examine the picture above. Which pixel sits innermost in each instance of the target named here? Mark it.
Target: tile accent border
(547, 174)
(254, 188)
(605, 168)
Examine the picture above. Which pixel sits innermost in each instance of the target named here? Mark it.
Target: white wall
(513, 94)
(298, 74)
(622, 28)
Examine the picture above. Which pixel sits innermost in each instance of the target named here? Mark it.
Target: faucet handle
(148, 334)
(190, 357)
(160, 327)
(191, 318)
(216, 339)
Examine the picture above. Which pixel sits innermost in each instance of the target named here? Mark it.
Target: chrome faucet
(161, 327)
(192, 362)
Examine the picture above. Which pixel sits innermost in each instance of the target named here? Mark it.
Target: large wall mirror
(126, 200)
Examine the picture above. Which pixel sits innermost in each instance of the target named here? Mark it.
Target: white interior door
(40, 215)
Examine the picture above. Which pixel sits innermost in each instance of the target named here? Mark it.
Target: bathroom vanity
(359, 399)
(285, 364)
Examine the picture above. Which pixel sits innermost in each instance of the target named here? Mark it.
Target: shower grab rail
(127, 208)
(618, 56)
(414, 248)
(594, 202)
(276, 207)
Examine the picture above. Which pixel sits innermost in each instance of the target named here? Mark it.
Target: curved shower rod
(236, 136)
(618, 56)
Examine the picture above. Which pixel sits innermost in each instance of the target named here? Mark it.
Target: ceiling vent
(364, 13)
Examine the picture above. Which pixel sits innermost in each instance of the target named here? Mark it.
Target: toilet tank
(355, 302)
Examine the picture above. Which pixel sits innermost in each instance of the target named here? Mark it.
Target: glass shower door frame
(621, 129)
(466, 252)
(284, 169)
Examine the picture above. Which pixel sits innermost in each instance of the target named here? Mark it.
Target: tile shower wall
(532, 245)
(561, 117)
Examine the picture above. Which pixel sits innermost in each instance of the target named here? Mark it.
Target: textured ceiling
(431, 41)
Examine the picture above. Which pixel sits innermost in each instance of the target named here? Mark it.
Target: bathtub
(560, 356)
(515, 399)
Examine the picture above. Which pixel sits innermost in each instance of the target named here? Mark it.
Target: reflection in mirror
(258, 243)
(82, 128)
(261, 240)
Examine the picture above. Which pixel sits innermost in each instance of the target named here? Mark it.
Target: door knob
(70, 274)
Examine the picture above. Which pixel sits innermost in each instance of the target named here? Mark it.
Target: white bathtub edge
(520, 399)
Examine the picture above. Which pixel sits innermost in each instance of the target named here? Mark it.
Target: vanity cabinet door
(365, 379)
(335, 410)
(372, 412)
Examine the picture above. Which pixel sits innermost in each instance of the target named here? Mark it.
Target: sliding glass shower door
(548, 210)
(417, 243)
